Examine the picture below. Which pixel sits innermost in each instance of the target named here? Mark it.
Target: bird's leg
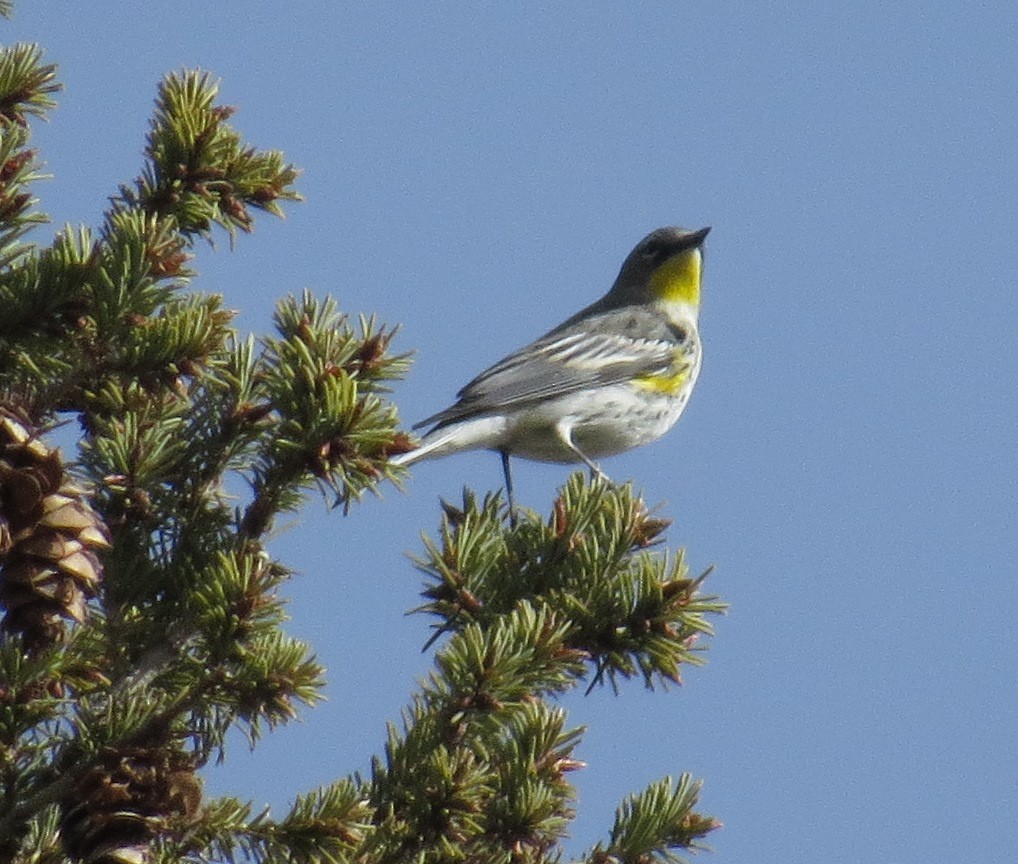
(595, 469)
(508, 474)
(565, 434)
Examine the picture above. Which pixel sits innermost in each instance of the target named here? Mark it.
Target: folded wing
(556, 365)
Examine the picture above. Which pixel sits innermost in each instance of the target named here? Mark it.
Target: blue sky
(478, 172)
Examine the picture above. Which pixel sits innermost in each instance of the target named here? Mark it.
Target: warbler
(615, 375)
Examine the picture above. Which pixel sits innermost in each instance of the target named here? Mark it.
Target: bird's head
(663, 269)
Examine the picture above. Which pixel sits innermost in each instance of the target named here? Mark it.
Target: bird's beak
(695, 238)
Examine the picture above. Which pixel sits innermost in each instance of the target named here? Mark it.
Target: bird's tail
(425, 450)
(478, 433)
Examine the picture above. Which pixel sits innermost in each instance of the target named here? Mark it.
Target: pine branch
(325, 382)
(199, 173)
(136, 716)
(650, 826)
(323, 827)
(26, 83)
(18, 168)
(633, 612)
(479, 765)
(184, 641)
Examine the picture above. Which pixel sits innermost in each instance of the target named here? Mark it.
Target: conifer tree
(142, 609)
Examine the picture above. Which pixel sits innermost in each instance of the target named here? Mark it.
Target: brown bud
(264, 194)
(373, 350)
(400, 443)
(452, 513)
(250, 414)
(559, 519)
(674, 587)
(13, 165)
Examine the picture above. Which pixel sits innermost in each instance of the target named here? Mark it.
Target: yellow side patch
(678, 279)
(666, 382)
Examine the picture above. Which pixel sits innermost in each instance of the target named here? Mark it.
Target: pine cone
(123, 803)
(49, 536)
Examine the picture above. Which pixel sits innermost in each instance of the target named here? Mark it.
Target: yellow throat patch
(678, 279)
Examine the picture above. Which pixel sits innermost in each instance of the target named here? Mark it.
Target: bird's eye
(652, 250)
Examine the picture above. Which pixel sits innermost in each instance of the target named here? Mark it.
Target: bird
(616, 375)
